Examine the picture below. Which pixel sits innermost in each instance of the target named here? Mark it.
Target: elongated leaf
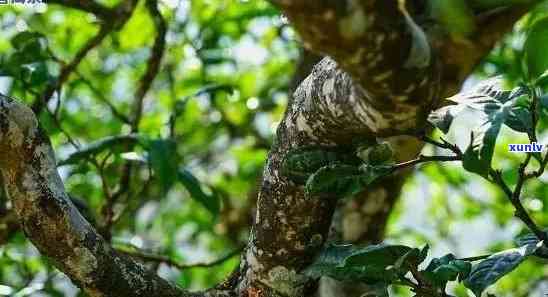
(413, 258)
(373, 172)
(490, 270)
(22, 39)
(443, 117)
(341, 180)
(484, 97)
(299, 164)
(194, 188)
(535, 48)
(357, 263)
(496, 107)
(445, 269)
(112, 143)
(344, 180)
(531, 238)
(520, 120)
(164, 161)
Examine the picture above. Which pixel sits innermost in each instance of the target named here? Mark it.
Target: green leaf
(370, 264)
(413, 258)
(299, 164)
(342, 180)
(377, 154)
(194, 188)
(455, 15)
(372, 172)
(490, 270)
(447, 268)
(30, 47)
(443, 117)
(164, 161)
(535, 49)
(23, 39)
(543, 102)
(496, 106)
(530, 238)
(520, 120)
(486, 97)
(35, 73)
(112, 143)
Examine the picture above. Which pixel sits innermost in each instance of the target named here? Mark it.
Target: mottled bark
(51, 221)
(361, 90)
(364, 89)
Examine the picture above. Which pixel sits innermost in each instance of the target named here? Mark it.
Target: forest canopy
(273, 148)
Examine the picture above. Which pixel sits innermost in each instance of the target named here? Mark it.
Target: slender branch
(101, 97)
(152, 70)
(146, 256)
(476, 258)
(424, 159)
(153, 65)
(87, 6)
(514, 196)
(117, 17)
(67, 69)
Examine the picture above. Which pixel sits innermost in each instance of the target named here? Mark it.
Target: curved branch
(362, 90)
(51, 221)
(118, 16)
(150, 257)
(153, 64)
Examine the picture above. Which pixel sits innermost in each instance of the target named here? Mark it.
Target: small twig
(476, 258)
(114, 19)
(103, 99)
(67, 69)
(170, 262)
(514, 198)
(153, 64)
(443, 144)
(88, 6)
(424, 159)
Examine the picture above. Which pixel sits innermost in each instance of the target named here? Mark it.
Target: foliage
(208, 120)
(519, 109)
(222, 83)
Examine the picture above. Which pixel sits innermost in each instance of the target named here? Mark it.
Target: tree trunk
(366, 87)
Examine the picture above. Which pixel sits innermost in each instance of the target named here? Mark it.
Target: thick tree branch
(364, 89)
(51, 221)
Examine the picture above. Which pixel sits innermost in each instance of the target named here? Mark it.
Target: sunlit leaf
(490, 270)
(164, 161)
(194, 188)
(535, 49)
(355, 263)
(112, 143)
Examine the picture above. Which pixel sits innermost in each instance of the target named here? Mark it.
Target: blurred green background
(208, 122)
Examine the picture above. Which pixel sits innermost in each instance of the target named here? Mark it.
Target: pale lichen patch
(285, 281)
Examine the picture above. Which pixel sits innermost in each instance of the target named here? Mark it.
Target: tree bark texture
(361, 89)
